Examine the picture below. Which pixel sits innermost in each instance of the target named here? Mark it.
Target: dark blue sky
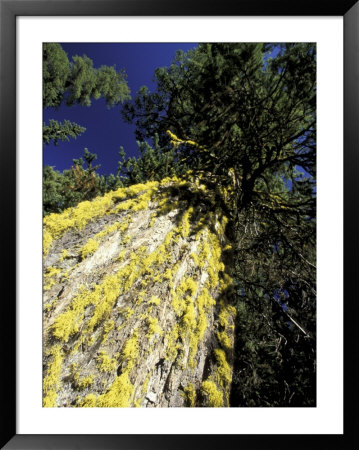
(105, 129)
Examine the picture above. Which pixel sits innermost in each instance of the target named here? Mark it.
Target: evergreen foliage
(55, 72)
(153, 164)
(70, 83)
(78, 81)
(62, 190)
(244, 116)
(56, 131)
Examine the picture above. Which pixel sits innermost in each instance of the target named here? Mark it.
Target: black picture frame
(9, 10)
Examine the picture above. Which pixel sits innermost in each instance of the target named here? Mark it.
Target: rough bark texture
(137, 292)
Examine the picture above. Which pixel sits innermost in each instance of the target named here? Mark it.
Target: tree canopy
(69, 83)
(78, 81)
(56, 131)
(244, 117)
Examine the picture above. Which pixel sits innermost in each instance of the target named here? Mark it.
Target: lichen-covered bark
(137, 290)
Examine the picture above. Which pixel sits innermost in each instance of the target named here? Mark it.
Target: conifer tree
(76, 82)
(79, 183)
(243, 116)
(154, 163)
(56, 131)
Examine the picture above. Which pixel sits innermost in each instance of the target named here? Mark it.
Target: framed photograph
(177, 277)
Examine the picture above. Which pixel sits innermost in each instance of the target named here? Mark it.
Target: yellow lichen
(89, 248)
(191, 294)
(130, 350)
(56, 225)
(80, 382)
(46, 242)
(119, 395)
(122, 254)
(190, 395)
(105, 363)
(50, 277)
(224, 340)
(145, 384)
(154, 300)
(51, 382)
(186, 225)
(64, 255)
(153, 327)
(224, 371)
(213, 395)
(108, 327)
(172, 343)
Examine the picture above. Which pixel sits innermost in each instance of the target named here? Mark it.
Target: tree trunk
(137, 300)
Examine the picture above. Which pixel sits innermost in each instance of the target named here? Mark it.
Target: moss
(140, 202)
(196, 336)
(101, 297)
(189, 286)
(50, 399)
(178, 303)
(212, 394)
(58, 224)
(187, 289)
(121, 391)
